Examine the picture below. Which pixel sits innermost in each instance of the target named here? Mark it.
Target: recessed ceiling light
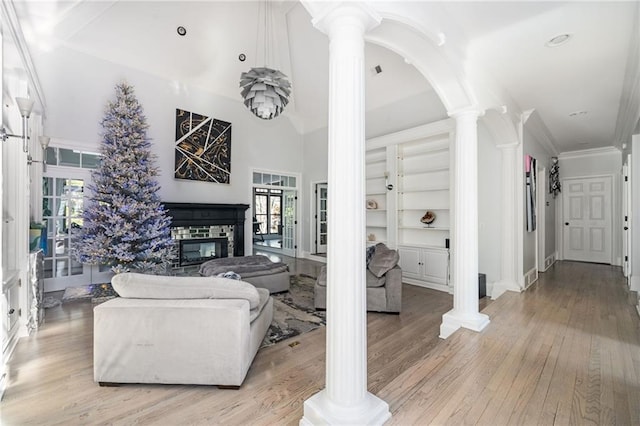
(181, 31)
(577, 113)
(558, 40)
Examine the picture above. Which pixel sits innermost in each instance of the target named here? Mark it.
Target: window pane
(69, 158)
(292, 181)
(47, 186)
(266, 179)
(261, 204)
(76, 268)
(52, 156)
(275, 180)
(257, 177)
(90, 161)
(48, 268)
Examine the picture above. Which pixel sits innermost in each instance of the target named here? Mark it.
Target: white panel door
(587, 219)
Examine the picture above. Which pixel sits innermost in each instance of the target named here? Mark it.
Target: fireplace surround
(207, 231)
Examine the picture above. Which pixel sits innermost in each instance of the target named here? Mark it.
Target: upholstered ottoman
(257, 270)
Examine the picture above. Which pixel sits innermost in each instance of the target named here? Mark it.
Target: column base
(500, 287)
(452, 321)
(319, 410)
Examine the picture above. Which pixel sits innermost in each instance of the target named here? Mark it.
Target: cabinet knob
(566, 223)
(11, 311)
(626, 228)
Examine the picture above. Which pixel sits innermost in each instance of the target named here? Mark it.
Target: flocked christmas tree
(125, 226)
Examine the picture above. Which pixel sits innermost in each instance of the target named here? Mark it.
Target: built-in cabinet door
(425, 265)
(410, 262)
(436, 265)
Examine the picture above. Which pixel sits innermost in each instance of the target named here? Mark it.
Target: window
(267, 207)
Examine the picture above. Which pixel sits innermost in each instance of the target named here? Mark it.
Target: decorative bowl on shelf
(428, 218)
(371, 204)
(371, 237)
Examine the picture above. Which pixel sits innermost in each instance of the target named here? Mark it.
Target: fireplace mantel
(198, 214)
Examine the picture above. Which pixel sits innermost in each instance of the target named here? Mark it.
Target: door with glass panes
(321, 218)
(63, 199)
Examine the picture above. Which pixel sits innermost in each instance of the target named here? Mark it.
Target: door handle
(626, 228)
(566, 223)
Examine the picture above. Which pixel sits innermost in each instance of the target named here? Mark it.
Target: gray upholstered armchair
(384, 282)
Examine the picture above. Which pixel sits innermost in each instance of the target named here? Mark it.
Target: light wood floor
(565, 352)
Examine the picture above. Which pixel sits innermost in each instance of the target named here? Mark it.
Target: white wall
(78, 86)
(489, 200)
(420, 109)
(533, 146)
(599, 162)
(315, 158)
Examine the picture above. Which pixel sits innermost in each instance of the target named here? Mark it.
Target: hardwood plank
(563, 352)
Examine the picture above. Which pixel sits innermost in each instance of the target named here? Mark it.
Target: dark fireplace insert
(196, 251)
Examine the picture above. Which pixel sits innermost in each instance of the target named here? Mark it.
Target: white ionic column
(345, 399)
(509, 229)
(464, 246)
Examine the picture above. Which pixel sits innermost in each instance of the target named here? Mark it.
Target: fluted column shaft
(345, 399)
(464, 246)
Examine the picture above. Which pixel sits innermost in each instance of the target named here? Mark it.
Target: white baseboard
(549, 261)
(426, 284)
(634, 282)
(500, 287)
(530, 277)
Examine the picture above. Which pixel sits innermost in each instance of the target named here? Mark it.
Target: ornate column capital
(466, 112)
(336, 15)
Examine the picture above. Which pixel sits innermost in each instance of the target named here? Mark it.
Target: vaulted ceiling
(576, 87)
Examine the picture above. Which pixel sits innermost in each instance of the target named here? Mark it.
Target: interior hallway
(567, 351)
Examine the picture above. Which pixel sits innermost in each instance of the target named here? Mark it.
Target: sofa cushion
(373, 281)
(141, 286)
(383, 260)
(264, 295)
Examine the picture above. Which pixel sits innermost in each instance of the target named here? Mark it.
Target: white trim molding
(593, 152)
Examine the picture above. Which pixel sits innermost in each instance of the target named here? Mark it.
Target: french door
(586, 204)
(63, 200)
(321, 218)
(289, 222)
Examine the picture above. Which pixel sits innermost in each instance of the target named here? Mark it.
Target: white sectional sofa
(179, 330)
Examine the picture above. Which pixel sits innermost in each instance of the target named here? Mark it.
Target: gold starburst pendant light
(265, 90)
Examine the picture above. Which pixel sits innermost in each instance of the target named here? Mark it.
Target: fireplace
(197, 251)
(207, 231)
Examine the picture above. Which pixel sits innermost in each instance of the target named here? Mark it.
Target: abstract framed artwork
(203, 148)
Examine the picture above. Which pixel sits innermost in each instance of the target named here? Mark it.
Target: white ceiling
(504, 40)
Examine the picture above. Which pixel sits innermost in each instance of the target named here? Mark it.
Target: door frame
(90, 273)
(249, 222)
(627, 211)
(614, 210)
(541, 213)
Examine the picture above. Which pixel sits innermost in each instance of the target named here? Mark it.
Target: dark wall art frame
(203, 148)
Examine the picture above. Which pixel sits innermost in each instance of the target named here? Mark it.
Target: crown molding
(593, 152)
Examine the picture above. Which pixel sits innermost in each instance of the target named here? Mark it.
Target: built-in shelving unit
(408, 174)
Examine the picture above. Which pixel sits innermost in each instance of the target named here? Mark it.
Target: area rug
(293, 310)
